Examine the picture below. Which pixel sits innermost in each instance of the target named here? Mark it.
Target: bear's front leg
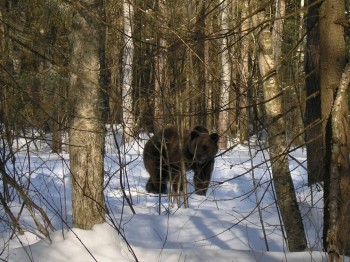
(202, 177)
(156, 187)
(157, 183)
(200, 185)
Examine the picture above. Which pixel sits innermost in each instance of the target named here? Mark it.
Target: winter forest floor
(236, 221)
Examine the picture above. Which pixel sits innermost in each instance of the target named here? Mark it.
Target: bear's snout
(203, 158)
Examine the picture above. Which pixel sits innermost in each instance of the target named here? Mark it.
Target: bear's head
(202, 146)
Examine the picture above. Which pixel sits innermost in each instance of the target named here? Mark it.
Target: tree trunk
(56, 132)
(277, 31)
(233, 112)
(199, 99)
(86, 136)
(208, 82)
(314, 134)
(334, 115)
(160, 74)
(283, 183)
(337, 185)
(244, 76)
(114, 60)
(225, 80)
(127, 91)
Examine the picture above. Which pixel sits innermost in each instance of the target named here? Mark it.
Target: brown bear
(162, 155)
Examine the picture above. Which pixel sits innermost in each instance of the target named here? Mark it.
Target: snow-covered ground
(236, 221)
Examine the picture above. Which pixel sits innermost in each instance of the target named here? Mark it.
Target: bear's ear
(194, 134)
(214, 137)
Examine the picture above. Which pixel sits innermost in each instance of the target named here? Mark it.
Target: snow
(225, 225)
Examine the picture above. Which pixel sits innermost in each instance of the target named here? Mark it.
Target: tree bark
(235, 54)
(199, 100)
(225, 80)
(335, 123)
(208, 78)
(337, 208)
(277, 31)
(244, 76)
(127, 90)
(282, 180)
(86, 136)
(313, 125)
(160, 65)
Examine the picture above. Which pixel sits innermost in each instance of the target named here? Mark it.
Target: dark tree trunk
(335, 114)
(314, 133)
(337, 181)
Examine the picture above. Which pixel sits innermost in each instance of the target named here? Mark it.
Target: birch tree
(208, 82)
(127, 95)
(225, 78)
(337, 182)
(86, 133)
(282, 179)
(334, 108)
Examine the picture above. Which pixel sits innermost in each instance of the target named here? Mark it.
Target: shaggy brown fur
(162, 156)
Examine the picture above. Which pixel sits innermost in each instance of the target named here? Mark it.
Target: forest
(77, 77)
